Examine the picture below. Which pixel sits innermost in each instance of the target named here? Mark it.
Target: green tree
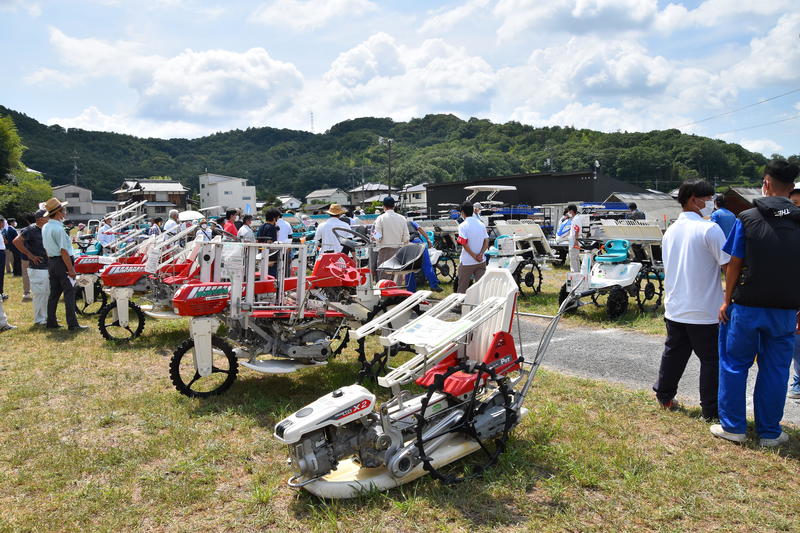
(11, 147)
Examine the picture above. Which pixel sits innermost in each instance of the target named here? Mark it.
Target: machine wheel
(100, 300)
(528, 277)
(446, 269)
(339, 342)
(649, 290)
(376, 366)
(223, 370)
(617, 303)
(110, 328)
(489, 391)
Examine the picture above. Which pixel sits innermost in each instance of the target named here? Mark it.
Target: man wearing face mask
(759, 310)
(692, 254)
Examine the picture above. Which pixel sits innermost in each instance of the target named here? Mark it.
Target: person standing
(16, 258)
(245, 233)
(722, 217)
(419, 236)
(6, 259)
(794, 388)
(692, 254)
(758, 314)
(574, 239)
(634, 213)
(391, 232)
(326, 239)
(474, 241)
(172, 226)
(60, 267)
(29, 243)
(155, 227)
(284, 230)
(4, 325)
(105, 234)
(230, 222)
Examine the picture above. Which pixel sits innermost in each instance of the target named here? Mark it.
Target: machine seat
(616, 251)
(408, 258)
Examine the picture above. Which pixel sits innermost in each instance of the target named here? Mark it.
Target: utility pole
(388, 142)
(75, 158)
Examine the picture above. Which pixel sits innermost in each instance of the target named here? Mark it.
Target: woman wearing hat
(60, 267)
(326, 239)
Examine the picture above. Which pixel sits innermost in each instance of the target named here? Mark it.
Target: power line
(738, 109)
(760, 125)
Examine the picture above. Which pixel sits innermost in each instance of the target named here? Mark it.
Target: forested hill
(432, 149)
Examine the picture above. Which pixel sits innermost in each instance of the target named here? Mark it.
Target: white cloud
(444, 19)
(573, 16)
(309, 14)
(48, 76)
(92, 118)
(774, 58)
(380, 77)
(32, 8)
(764, 146)
(712, 13)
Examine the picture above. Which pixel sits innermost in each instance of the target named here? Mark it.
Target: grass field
(93, 437)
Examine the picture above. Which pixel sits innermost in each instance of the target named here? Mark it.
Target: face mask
(708, 209)
(203, 226)
(236, 218)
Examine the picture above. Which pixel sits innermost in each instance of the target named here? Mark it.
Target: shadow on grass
(479, 500)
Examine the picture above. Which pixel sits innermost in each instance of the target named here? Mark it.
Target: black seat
(406, 259)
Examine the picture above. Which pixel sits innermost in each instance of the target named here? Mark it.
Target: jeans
(40, 290)
(60, 283)
(796, 359)
(682, 339)
(751, 331)
(427, 269)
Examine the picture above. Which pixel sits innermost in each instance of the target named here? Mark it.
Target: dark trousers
(2, 270)
(60, 284)
(682, 339)
(16, 263)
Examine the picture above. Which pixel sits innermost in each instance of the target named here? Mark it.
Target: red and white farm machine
(474, 383)
(278, 322)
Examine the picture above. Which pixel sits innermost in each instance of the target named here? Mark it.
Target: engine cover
(337, 408)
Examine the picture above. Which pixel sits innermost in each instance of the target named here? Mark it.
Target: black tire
(490, 446)
(212, 387)
(649, 290)
(617, 303)
(446, 269)
(112, 331)
(339, 343)
(528, 276)
(100, 300)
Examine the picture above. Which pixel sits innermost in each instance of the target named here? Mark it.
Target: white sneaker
(717, 431)
(771, 443)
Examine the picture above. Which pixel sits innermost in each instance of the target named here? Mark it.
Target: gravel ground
(622, 356)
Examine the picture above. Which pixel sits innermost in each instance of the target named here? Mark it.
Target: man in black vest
(758, 314)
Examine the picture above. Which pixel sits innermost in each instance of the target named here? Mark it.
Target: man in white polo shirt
(693, 257)
(474, 241)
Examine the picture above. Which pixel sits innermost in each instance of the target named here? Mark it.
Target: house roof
(321, 193)
(70, 185)
(151, 186)
(379, 198)
(416, 188)
(369, 187)
(748, 193)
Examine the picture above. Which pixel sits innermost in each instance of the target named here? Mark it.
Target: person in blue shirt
(60, 266)
(723, 218)
(418, 236)
(758, 314)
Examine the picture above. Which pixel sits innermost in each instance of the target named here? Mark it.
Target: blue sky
(186, 68)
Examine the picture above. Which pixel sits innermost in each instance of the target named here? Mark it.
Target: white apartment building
(414, 196)
(81, 207)
(226, 192)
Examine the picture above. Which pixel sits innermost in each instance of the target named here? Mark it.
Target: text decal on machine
(360, 406)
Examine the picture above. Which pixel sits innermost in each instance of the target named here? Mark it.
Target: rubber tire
(183, 349)
(522, 271)
(99, 296)
(448, 263)
(107, 309)
(617, 303)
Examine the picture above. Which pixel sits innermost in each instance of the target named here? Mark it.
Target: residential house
(359, 195)
(160, 195)
(226, 192)
(289, 202)
(328, 196)
(414, 197)
(81, 207)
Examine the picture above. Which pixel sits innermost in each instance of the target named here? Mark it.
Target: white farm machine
(475, 381)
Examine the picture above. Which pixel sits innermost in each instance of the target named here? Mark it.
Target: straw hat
(54, 204)
(336, 210)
